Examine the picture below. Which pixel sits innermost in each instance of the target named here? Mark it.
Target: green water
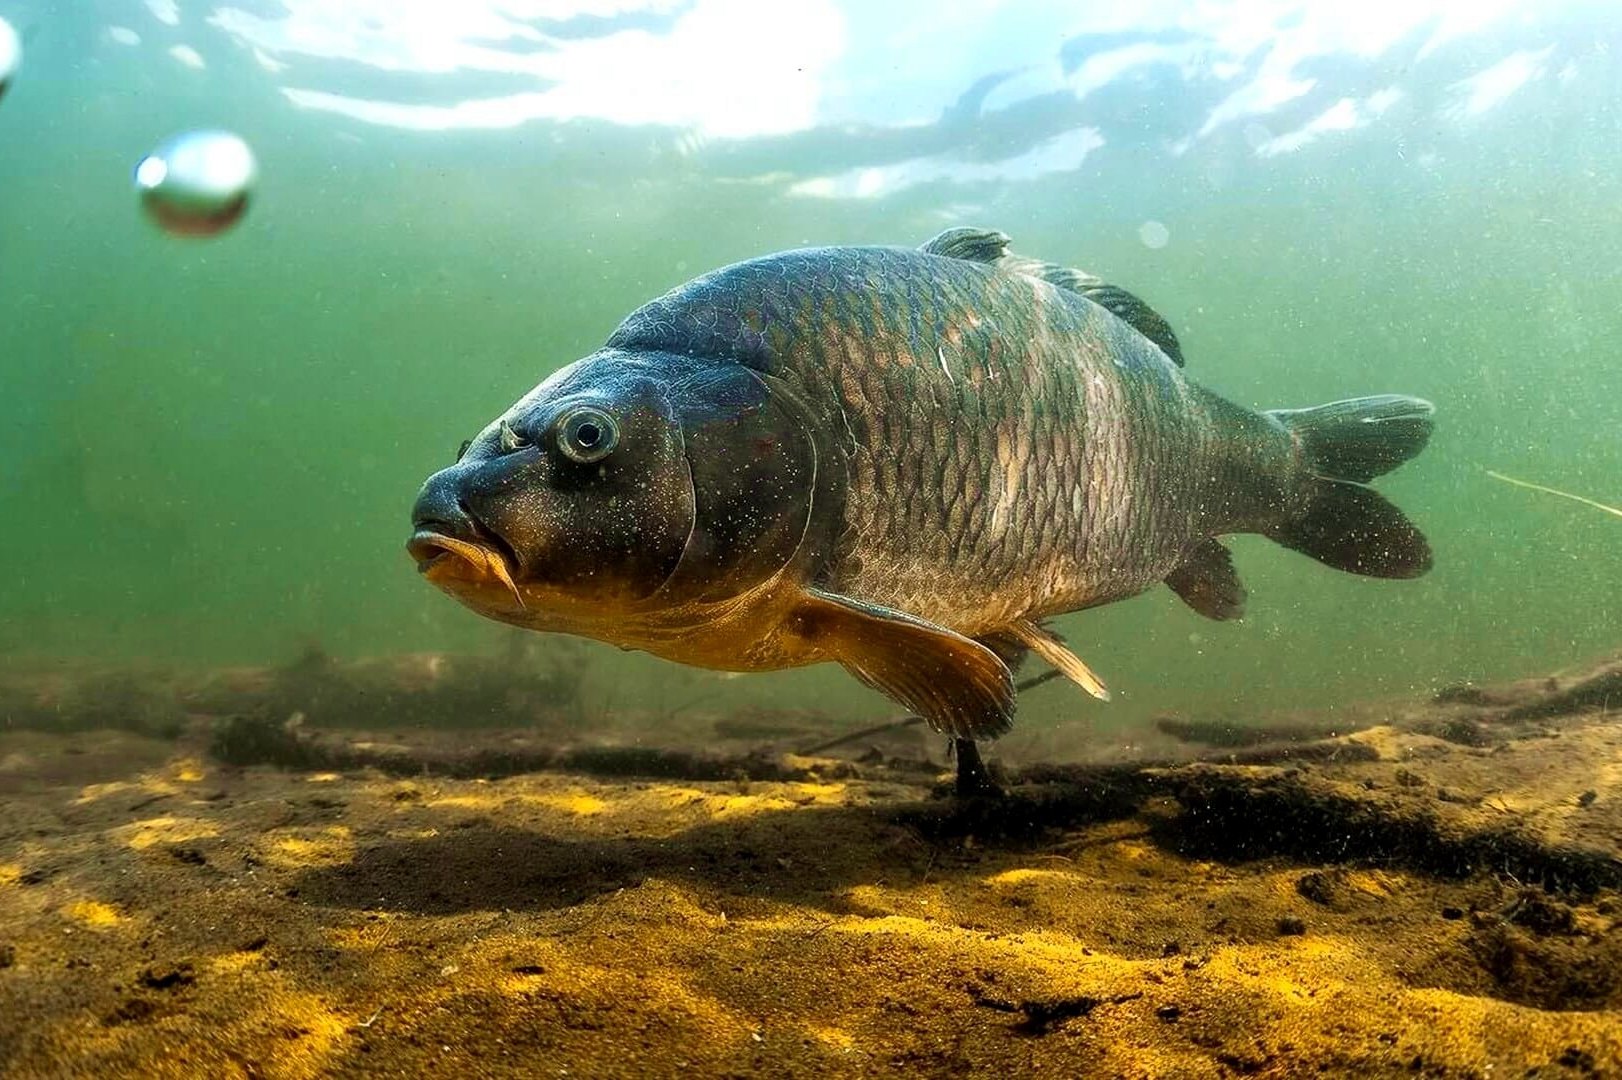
(209, 448)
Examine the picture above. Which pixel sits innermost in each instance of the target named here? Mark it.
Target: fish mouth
(440, 556)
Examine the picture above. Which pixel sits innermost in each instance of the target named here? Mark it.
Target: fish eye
(587, 435)
(461, 451)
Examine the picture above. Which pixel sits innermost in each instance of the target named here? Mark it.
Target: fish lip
(433, 538)
(427, 547)
(498, 543)
(432, 544)
(486, 554)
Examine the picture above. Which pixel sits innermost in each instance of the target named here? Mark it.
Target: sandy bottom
(164, 914)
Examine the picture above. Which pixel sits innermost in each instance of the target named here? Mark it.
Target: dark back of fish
(1012, 448)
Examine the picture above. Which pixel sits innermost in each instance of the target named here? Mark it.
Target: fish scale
(921, 530)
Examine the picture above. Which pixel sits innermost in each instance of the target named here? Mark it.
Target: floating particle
(11, 55)
(1154, 234)
(197, 183)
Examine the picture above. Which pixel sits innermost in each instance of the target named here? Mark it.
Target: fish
(905, 461)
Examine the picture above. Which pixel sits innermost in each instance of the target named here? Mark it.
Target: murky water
(211, 445)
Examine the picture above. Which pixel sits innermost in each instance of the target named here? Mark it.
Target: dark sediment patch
(1236, 733)
(249, 740)
(1248, 815)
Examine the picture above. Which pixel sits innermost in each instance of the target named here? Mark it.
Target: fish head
(626, 487)
(573, 503)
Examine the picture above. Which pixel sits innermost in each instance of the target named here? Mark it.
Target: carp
(900, 460)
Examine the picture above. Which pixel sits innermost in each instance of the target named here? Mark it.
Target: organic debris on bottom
(1435, 894)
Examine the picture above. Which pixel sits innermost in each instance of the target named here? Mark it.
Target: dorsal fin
(991, 247)
(970, 244)
(1138, 315)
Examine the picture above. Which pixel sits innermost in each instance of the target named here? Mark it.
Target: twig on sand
(388, 928)
(817, 930)
(1555, 491)
(908, 721)
(853, 736)
(1037, 680)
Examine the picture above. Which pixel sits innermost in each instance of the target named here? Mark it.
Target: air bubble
(11, 55)
(1154, 235)
(197, 183)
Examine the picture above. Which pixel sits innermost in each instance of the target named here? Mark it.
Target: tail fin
(1346, 444)
(1359, 439)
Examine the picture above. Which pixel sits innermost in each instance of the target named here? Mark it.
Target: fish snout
(447, 535)
(439, 515)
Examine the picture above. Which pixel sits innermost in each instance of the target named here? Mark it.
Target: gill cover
(755, 483)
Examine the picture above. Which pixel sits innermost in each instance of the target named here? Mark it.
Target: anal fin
(959, 686)
(1207, 582)
(1051, 648)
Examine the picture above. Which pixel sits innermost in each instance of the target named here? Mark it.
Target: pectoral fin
(1051, 647)
(959, 686)
(1208, 583)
